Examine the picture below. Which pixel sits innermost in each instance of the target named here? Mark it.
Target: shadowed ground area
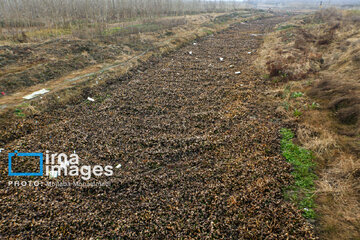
(199, 148)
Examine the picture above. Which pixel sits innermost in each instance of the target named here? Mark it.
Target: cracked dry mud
(199, 148)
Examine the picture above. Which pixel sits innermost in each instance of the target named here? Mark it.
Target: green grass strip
(302, 191)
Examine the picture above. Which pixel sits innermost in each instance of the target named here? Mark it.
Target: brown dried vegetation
(199, 147)
(321, 52)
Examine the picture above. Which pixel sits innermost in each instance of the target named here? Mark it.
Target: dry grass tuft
(342, 99)
(317, 142)
(338, 199)
(338, 190)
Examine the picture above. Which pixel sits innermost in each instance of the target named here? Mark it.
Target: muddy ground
(198, 144)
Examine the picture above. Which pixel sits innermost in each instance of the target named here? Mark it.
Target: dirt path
(199, 149)
(67, 81)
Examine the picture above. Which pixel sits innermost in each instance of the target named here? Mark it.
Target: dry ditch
(199, 146)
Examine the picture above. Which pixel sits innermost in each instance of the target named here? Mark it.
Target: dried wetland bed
(199, 147)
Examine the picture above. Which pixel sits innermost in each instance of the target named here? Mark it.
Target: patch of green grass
(43, 33)
(297, 113)
(284, 75)
(315, 105)
(19, 113)
(302, 191)
(297, 94)
(275, 79)
(284, 27)
(266, 76)
(355, 11)
(22, 110)
(208, 32)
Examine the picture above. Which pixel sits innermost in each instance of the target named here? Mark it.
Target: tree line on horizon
(28, 13)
